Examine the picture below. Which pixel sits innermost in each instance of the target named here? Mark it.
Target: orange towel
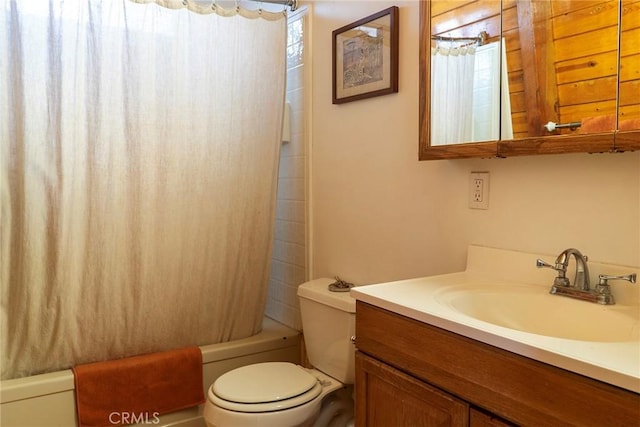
(629, 124)
(138, 389)
(598, 124)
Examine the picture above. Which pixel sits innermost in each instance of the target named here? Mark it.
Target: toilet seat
(264, 387)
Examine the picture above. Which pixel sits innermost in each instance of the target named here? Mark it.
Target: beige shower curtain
(452, 69)
(139, 148)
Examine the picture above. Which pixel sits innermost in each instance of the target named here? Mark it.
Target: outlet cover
(479, 190)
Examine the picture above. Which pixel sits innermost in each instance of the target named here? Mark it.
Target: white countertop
(616, 363)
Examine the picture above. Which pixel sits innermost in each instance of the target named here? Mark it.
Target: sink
(531, 309)
(488, 302)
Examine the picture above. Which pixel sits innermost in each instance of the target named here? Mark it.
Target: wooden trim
(627, 141)
(516, 388)
(460, 151)
(529, 67)
(424, 94)
(560, 144)
(537, 64)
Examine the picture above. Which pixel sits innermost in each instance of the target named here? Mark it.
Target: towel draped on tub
(139, 388)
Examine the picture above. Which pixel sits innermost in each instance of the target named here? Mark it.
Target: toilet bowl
(282, 394)
(271, 394)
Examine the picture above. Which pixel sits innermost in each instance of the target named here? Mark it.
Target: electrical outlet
(479, 190)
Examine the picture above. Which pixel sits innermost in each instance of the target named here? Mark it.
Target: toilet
(283, 394)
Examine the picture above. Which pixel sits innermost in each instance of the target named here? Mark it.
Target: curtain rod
(292, 4)
(481, 38)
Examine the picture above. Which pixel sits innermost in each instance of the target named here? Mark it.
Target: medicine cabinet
(525, 77)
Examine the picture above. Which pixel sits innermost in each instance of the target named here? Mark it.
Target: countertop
(616, 363)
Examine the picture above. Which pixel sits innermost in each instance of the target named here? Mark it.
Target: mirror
(555, 78)
(629, 100)
(566, 74)
(465, 71)
(456, 27)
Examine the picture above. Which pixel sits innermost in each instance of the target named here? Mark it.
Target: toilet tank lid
(318, 290)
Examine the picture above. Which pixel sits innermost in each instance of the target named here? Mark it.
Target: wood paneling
(587, 68)
(580, 19)
(467, 19)
(577, 112)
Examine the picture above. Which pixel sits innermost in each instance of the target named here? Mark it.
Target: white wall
(378, 214)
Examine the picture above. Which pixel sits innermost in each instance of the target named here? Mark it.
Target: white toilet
(283, 394)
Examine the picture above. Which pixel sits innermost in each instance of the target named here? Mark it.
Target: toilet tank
(328, 324)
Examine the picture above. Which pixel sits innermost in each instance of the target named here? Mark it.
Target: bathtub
(48, 399)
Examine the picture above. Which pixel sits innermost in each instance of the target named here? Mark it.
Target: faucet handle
(603, 290)
(605, 277)
(543, 264)
(561, 279)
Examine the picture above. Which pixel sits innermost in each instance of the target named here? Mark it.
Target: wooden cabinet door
(388, 397)
(480, 419)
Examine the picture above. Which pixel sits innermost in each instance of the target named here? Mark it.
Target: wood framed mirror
(450, 31)
(561, 89)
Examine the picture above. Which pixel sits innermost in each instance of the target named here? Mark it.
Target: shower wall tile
(295, 78)
(287, 274)
(291, 167)
(290, 232)
(290, 210)
(288, 264)
(295, 96)
(291, 188)
(284, 311)
(288, 252)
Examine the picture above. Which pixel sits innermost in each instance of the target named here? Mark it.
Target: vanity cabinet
(389, 397)
(410, 373)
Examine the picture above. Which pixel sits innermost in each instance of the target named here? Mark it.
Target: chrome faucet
(581, 288)
(581, 280)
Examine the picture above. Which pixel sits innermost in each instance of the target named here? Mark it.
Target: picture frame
(365, 57)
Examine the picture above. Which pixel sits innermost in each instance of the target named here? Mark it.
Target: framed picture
(365, 57)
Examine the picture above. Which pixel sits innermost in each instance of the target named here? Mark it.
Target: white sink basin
(531, 309)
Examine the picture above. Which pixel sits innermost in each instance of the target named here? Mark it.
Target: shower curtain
(452, 71)
(139, 148)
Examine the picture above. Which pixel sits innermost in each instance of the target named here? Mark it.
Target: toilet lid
(264, 387)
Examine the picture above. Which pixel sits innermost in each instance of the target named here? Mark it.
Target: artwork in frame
(365, 57)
